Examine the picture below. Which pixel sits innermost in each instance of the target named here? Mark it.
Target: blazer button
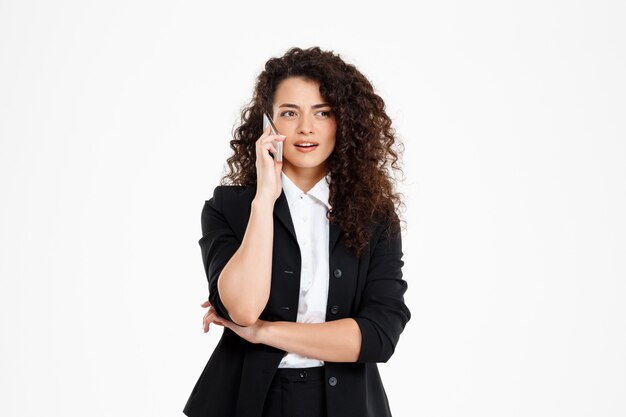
(337, 273)
(334, 309)
(332, 381)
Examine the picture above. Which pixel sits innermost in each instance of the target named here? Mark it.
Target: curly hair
(366, 152)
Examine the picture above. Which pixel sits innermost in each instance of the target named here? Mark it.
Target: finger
(267, 133)
(207, 317)
(206, 303)
(266, 149)
(214, 312)
(269, 139)
(275, 138)
(278, 169)
(212, 317)
(206, 323)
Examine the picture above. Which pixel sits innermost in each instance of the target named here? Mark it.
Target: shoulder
(229, 206)
(225, 196)
(386, 237)
(386, 228)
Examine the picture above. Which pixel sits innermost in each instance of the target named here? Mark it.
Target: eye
(287, 115)
(325, 113)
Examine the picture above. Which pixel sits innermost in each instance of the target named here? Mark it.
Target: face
(303, 116)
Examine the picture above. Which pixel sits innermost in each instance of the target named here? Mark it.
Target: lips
(306, 144)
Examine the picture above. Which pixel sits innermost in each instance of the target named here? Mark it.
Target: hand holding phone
(267, 121)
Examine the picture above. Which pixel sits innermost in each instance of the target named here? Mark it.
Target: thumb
(278, 169)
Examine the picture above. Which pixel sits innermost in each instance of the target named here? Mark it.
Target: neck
(304, 178)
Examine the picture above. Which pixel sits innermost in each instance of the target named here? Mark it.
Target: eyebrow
(295, 106)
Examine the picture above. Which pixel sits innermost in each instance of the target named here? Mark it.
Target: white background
(115, 119)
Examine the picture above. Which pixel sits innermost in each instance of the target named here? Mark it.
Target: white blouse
(308, 213)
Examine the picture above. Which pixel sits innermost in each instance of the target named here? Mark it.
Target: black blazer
(369, 289)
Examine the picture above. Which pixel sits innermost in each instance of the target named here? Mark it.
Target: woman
(303, 256)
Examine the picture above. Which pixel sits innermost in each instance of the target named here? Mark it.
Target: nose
(306, 124)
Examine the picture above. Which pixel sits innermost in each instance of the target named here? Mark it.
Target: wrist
(263, 202)
(260, 334)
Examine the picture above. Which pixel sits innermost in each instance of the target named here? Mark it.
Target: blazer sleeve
(218, 244)
(382, 314)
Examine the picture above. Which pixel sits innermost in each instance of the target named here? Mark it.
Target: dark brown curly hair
(366, 149)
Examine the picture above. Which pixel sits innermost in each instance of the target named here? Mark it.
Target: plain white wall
(114, 126)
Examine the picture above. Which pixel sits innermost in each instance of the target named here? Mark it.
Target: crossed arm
(370, 336)
(333, 341)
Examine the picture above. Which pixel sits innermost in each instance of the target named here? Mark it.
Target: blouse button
(332, 381)
(337, 273)
(334, 309)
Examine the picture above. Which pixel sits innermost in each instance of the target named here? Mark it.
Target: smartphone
(267, 120)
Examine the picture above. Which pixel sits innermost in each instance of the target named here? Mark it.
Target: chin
(304, 164)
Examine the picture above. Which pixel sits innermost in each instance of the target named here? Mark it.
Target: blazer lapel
(281, 211)
(334, 233)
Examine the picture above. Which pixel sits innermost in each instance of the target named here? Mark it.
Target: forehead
(298, 89)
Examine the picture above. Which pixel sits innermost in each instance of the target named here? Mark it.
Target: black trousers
(296, 392)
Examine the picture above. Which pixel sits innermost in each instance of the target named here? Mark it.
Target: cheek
(330, 133)
(333, 140)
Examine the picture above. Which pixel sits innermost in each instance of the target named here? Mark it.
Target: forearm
(333, 341)
(244, 283)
